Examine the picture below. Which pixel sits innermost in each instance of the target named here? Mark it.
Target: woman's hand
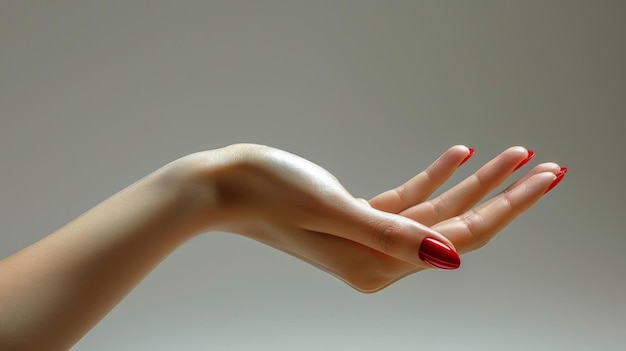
(53, 291)
(295, 206)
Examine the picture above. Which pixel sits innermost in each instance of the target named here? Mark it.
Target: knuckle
(479, 228)
(401, 192)
(507, 201)
(480, 179)
(438, 206)
(472, 222)
(385, 235)
(468, 223)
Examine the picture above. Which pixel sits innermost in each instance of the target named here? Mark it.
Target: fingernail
(531, 153)
(558, 178)
(438, 254)
(471, 152)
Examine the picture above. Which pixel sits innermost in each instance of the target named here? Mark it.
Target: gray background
(94, 95)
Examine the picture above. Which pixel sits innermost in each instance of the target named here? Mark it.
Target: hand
(295, 206)
(75, 275)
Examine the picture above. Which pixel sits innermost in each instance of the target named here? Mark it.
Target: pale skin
(54, 291)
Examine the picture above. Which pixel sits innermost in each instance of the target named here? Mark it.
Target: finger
(471, 190)
(544, 167)
(420, 187)
(476, 227)
(391, 234)
(559, 172)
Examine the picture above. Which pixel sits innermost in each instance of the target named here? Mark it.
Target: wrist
(196, 180)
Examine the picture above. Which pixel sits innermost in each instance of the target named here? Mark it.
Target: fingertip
(459, 147)
(436, 250)
(546, 167)
(469, 152)
(557, 179)
(439, 254)
(518, 148)
(459, 150)
(529, 155)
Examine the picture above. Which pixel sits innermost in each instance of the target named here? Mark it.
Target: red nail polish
(531, 153)
(471, 152)
(438, 254)
(558, 178)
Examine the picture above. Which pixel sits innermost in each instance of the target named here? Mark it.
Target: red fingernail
(531, 153)
(471, 152)
(558, 178)
(438, 254)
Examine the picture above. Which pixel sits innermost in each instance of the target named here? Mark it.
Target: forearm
(56, 290)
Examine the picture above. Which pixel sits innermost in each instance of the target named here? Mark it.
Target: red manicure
(558, 178)
(438, 254)
(471, 152)
(531, 153)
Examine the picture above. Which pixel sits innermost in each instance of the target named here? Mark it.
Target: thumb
(392, 234)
